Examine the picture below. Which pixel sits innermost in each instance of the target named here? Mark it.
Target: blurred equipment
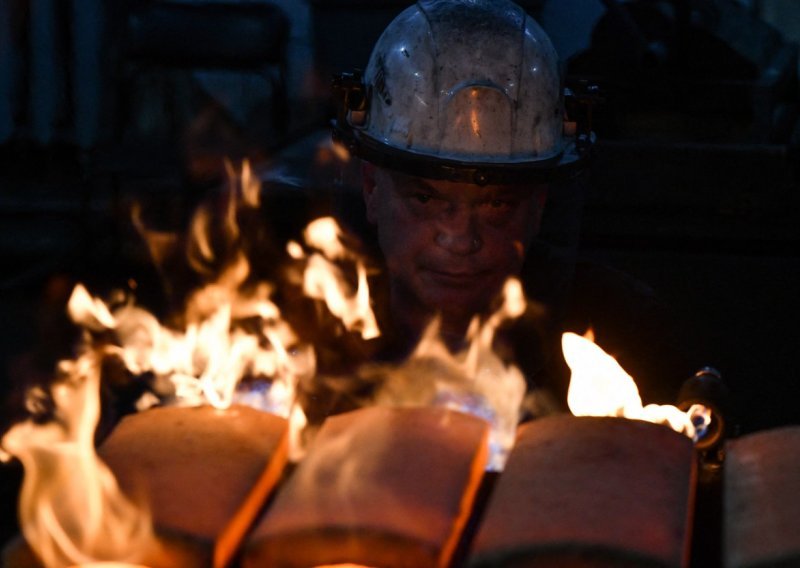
(706, 71)
(699, 131)
(188, 53)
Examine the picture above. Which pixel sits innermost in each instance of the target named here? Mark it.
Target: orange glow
(251, 186)
(340, 151)
(91, 312)
(474, 119)
(207, 358)
(247, 181)
(71, 509)
(72, 512)
(474, 380)
(324, 278)
(600, 387)
(342, 566)
(475, 122)
(109, 565)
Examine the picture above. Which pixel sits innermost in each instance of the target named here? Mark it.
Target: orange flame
(600, 387)
(324, 280)
(71, 509)
(207, 360)
(247, 181)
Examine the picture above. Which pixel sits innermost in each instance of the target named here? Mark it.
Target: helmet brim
(568, 162)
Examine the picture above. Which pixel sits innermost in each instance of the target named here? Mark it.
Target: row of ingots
(407, 487)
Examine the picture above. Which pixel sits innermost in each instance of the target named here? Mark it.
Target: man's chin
(456, 300)
(457, 303)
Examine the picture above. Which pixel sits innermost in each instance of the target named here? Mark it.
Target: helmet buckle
(351, 96)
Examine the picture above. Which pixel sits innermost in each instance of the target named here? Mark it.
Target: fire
(600, 387)
(232, 329)
(474, 380)
(71, 509)
(249, 183)
(323, 278)
(206, 361)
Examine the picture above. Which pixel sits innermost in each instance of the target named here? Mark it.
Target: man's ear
(368, 189)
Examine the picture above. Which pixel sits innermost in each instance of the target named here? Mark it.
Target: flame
(600, 387)
(111, 565)
(206, 361)
(71, 509)
(247, 181)
(474, 380)
(231, 329)
(324, 279)
(89, 312)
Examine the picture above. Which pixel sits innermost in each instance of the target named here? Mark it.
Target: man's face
(450, 246)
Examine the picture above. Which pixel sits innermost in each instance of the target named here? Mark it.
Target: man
(461, 126)
(449, 246)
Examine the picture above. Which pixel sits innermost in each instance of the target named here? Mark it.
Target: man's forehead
(400, 180)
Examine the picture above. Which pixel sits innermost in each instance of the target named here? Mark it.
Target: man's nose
(458, 231)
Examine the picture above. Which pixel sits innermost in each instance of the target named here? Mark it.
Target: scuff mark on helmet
(380, 82)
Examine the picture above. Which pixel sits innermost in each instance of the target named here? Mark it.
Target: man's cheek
(518, 248)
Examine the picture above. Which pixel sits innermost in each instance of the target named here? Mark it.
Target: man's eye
(501, 203)
(422, 197)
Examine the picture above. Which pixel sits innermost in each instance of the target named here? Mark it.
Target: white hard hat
(467, 90)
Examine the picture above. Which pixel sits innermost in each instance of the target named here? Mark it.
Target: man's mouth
(456, 278)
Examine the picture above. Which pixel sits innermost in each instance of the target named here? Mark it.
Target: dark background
(694, 188)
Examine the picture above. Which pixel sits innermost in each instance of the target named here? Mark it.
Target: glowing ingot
(591, 492)
(205, 474)
(379, 486)
(762, 499)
